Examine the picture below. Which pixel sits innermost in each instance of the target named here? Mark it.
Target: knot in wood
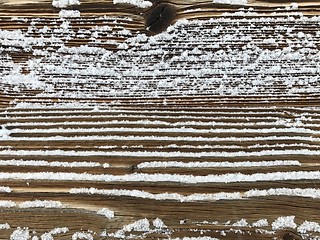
(160, 17)
(291, 236)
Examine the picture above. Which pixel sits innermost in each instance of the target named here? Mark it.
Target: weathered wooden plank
(209, 129)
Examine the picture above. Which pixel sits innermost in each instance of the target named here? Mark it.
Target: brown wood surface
(134, 127)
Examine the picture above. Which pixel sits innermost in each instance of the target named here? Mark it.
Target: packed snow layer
(284, 222)
(41, 204)
(50, 235)
(69, 14)
(175, 164)
(295, 192)
(162, 154)
(138, 3)
(160, 196)
(183, 129)
(43, 163)
(233, 2)
(308, 226)
(20, 234)
(64, 3)
(5, 189)
(4, 226)
(82, 235)
(227, 59)
(177, 178)
(106, 212)
(196, 238)
(7, 204)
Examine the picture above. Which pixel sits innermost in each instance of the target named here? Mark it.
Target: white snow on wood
(188, 179)
(138, 3)
(142, 225)
(292, 6)
(7, 204)
(308, 226)
(4, 133)
(55, 231)
(28, 80)
(284, 222)
(43, 163)
(241, 223)
(195, 238)
(169, 130)
(162, 154)
(297, 192)
(236, 146)
(20, 234)
(64, 3)
(158, 223)
(84, 108)
(161, 196)
(233, 2)
(175, 164)
(82, 235)
(62, 115)
(166, 138)
(69, 13)
(4, 226)
(229, 73)
(106, 212)
(59, 230)
(5, 189)
(261, 223)
(41, 204)
(150, 122)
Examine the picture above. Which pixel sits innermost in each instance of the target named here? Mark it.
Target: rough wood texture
(209, 129)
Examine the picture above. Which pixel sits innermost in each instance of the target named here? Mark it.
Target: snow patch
(297, 192)
(7, 204)
(44, 163)
(261, 223)
(233, 2)
(241, 223)
(142, 225)
(178, 178)
(55, 231)
(161, 196)
(307, 226)
(284, 222)
(5, 189)
(195, 238)
(82, 235)
(20, 234)
(59, 230)
(41, 204)
(106, 212)
(64, 3)
(158, 224)
(170, 164)
(106, 165)
(292, 6)
(163, 154)
(312, 193)
(4, 133)
(17, 79)
(4, 226)
(69, 14)
(138, 3)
